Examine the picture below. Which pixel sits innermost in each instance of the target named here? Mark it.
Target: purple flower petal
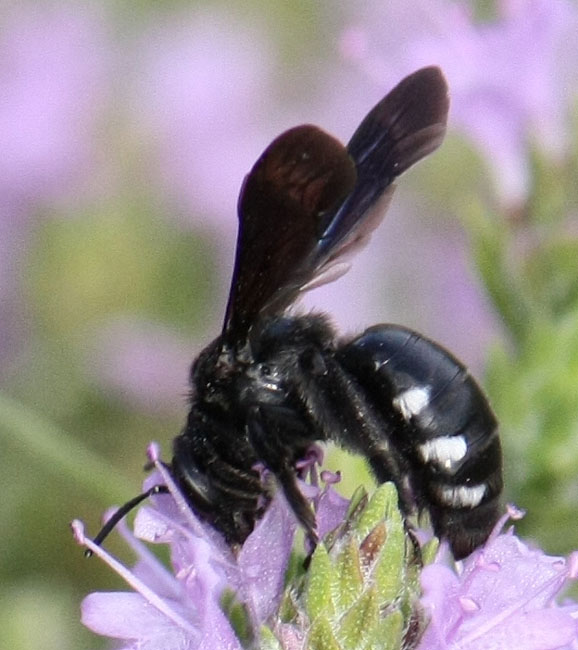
(331, 509)
(187, 604)
(503, 598)
(262, 573)
(148, 568)
(541, 630)
(193, 620)
(518, 571)
(124, 615)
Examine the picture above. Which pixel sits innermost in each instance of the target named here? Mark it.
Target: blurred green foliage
(529, 265)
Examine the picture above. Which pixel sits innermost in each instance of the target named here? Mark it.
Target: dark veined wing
(405, 126)
(309, 203)
(303, 176)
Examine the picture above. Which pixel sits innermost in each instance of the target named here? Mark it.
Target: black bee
(273, 383)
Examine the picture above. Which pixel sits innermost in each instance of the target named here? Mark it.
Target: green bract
(361, 589)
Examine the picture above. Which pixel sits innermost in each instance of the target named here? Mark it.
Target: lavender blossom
(183, 609)
(361, 588)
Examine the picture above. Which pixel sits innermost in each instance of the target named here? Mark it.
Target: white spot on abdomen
(445, 451)
(460, 496)
(412, 401)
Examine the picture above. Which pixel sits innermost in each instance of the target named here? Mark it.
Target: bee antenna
(110, 525)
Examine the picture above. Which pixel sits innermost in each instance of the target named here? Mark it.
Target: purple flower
(512, 80)
(503, 597)
(182, 608)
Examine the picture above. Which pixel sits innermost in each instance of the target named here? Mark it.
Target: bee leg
(266, 439)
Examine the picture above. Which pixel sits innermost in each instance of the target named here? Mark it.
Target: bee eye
(265, 370)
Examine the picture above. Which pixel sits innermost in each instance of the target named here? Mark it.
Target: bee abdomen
(437, 417)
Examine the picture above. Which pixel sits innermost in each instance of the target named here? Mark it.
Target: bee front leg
(267, 435)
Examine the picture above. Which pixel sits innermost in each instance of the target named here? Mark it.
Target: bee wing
(309, 203)
(301, 178)
(405, 126)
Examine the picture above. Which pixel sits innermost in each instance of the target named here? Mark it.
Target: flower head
(361, 588)
(182, 608)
